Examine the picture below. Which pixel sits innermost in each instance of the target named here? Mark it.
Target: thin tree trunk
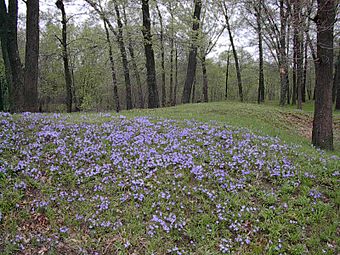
(31, 57)
(237, 66)
(174, 102)
(298, 51)
(294, 73)
(171, 85)
(121, 44)
(260, 97)
(134, 65)
(304, 84)
(227, 76)
(309, 88)
(153, 99)
(191, 69)
(68, 79)
(162, 56)
(289, 91)
(113, 70)
(205, 79)
(283, 57)
(322, 135)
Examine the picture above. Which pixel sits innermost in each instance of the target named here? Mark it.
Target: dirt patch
(300, 123)
(303, 124)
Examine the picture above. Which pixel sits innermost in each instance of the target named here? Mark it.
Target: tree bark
(205, 79)
(237, 66)
(260, 97)
(283, 63)
(304, 84)
(134, 66)
(2, 105)
(322, 135)
(113, 70)
(191, 69)
(171, 85)
(336, 82)
(4, 44)
(153, 99)
(68, 79)
(121, 44)
(174, 102)
(227, 76)
(32, 57)
(298, 51)
(162, 56)
(17, 74)
(193, 91)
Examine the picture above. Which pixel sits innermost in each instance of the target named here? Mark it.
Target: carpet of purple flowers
(108, 184)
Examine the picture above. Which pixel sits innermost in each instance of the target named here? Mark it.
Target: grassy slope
(289, 124)
(294, 215)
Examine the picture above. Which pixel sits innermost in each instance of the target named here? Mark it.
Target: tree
(322, 135)
(113, 70)
(231, 38)
(192, 62)
(258, 14)
(121, 44)
(63, 41)
(162, 55)
(9, 44)
(298, 56)
(153, 99)
(336, 81)
(134, 64)
(211, 31)
(31, 56)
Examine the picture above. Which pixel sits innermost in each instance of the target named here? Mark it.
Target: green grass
(91, 168)
(265, 119)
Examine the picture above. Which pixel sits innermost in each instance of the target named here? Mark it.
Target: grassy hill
(287, 123)
(217, 178)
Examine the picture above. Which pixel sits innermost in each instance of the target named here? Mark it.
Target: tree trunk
(121, 44)
(193, 91)
(31, 56)
(322, 135)
(2, 105)
(17, 75)
(134, 66)
(227, 76)
(174, 102)
(294, 91)
(260, 97)
(162, 57)
(304, 84)
(283, 57)
(336, 82)
(191, 69)
(68, 79)
(237, 66)
(153, 99)
(4, 44)
(205, 79)
(113, 70)
(298, 51)
(171, 85)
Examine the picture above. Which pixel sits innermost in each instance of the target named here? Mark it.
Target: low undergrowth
(107, 184)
